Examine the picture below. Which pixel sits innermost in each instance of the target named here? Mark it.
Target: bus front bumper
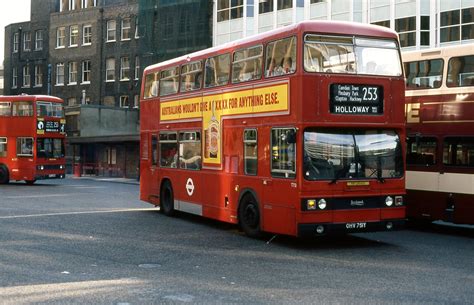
(323, 229)
(49, 176)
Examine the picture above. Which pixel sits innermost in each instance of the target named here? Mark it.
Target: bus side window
(191, 76)
(3, 147)
(168, 149)
(5, 109)
(169, 81)
(152, 82)
(22, 109)
(154, 150)
(421, 151)
(247, 64)
(217, 71)
(283, 152)
(458, 151)
(190, 150)
(24, 147)
(250, 152)
(281, 57)
(461, 71)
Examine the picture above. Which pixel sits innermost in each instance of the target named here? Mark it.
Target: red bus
(31, 138)
(296, 131)
(440, 128)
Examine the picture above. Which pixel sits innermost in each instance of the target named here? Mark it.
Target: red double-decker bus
(31, 138)
(440, 128)
(297, 131)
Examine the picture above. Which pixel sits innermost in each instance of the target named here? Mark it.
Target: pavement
(106, 179)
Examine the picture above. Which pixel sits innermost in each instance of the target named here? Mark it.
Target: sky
(11, 12)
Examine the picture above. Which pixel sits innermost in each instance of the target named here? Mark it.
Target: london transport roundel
(190, 186)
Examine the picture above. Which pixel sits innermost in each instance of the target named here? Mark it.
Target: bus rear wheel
(167, 199)
(4, 176)
(249, 216)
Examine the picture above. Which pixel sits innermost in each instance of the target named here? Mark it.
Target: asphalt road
(80, 241)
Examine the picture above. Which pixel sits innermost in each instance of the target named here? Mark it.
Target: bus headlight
(40, 167)
(389, 201)
(61, 166)
(398, 200)
(311, 204)
(322, 204)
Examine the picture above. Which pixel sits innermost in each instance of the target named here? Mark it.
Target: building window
(60, 37)
(136, 101)
(74, 4)
(27, 41)
(38, 76)
(425, 31)
(265, 6)
(71, 101)
(72, 73)
(89, 3)
(59, 74)
(124, 103)
(110, 70)
(26, 76)
(284, 4)
(456, 25)
(73, 35)
(87, 35)
(124, 68)
(229, 9)
(137, 67)
(136, 29)
(16, 42)
(385, 23)
(14, 77)
(64, 6)
(39, 40)
(86, 72)
(126, 29)
(406, 28)
(109, 101)
(111, 30)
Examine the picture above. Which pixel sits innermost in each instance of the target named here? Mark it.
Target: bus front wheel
(167, 199)
(4, 176)
(249, 216)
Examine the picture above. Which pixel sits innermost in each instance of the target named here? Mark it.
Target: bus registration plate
(356, 225)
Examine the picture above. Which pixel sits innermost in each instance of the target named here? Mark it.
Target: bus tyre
(249, 216)
(167, 199)
(4, 176)
(30, 182)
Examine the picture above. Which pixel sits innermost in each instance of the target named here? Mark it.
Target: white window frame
(16, 42)
(87, 35)
(26, 41)
(72, 70)
(136, 28)
(126, 29)
(85, 3)
(71, 36)
(124, 101)
(14, 77)
(60, 37)
(86, 72)
(111, 31)
(136, 101)
(137, 67)
(110, 68)
(26, 77)
(124, 68)
(59, 68)
(38, 76)
(39, 40)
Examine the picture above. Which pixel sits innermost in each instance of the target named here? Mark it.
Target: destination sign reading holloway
(356, 99)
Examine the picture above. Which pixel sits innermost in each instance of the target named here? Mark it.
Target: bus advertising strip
(356, 99)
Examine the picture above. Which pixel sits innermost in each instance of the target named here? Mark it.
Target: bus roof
(24, 97)
(448, 51)
(323, 27)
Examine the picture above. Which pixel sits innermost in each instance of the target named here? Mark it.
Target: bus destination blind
(356, 99)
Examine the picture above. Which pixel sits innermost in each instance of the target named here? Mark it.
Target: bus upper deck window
(191, 76)
(247, 64)
(281, 57)
(169, 81)
(461, 71)
(23, 108)
(151, 85)
(5, 109)
(216, 71)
